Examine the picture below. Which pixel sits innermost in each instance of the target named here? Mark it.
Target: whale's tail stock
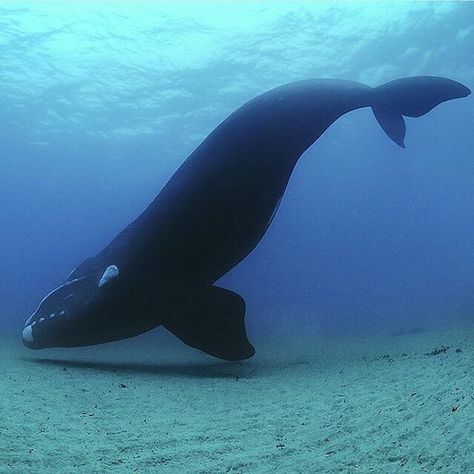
(411, 97)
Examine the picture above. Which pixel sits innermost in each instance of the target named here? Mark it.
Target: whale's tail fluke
(411, 97)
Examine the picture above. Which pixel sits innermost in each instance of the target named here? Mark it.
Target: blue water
(100, 103)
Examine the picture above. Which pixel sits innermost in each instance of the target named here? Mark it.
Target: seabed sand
(300, 406)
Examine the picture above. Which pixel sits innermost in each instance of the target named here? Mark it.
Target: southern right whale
(161, 269)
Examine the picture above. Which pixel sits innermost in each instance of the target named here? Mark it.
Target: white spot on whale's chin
(28, 334)
(111, 272)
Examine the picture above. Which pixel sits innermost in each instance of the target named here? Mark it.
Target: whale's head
(71, 313)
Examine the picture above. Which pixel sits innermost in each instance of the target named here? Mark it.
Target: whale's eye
(110, 273)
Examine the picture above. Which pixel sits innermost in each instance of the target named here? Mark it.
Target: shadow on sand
(224, 370)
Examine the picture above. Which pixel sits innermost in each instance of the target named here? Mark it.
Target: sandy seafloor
(370, 404)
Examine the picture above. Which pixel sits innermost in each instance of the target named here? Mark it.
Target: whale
(162, 268)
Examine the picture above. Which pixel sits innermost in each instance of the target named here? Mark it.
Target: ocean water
(101, 102)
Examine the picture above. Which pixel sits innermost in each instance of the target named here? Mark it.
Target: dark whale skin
(210, 215)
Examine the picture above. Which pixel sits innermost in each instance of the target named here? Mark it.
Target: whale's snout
(39, 331)
(52, 317)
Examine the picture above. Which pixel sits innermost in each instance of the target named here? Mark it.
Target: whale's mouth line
(42, 342)
(45, 320)
(51, 293)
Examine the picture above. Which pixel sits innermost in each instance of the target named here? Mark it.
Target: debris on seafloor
(438, 350)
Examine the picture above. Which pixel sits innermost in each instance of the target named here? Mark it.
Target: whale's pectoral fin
(213, 322)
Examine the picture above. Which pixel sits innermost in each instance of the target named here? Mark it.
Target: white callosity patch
(111, 272)
(28, 334)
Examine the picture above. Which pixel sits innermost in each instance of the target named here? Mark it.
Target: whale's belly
(207, 220)
(216, 207)
(213, 231)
